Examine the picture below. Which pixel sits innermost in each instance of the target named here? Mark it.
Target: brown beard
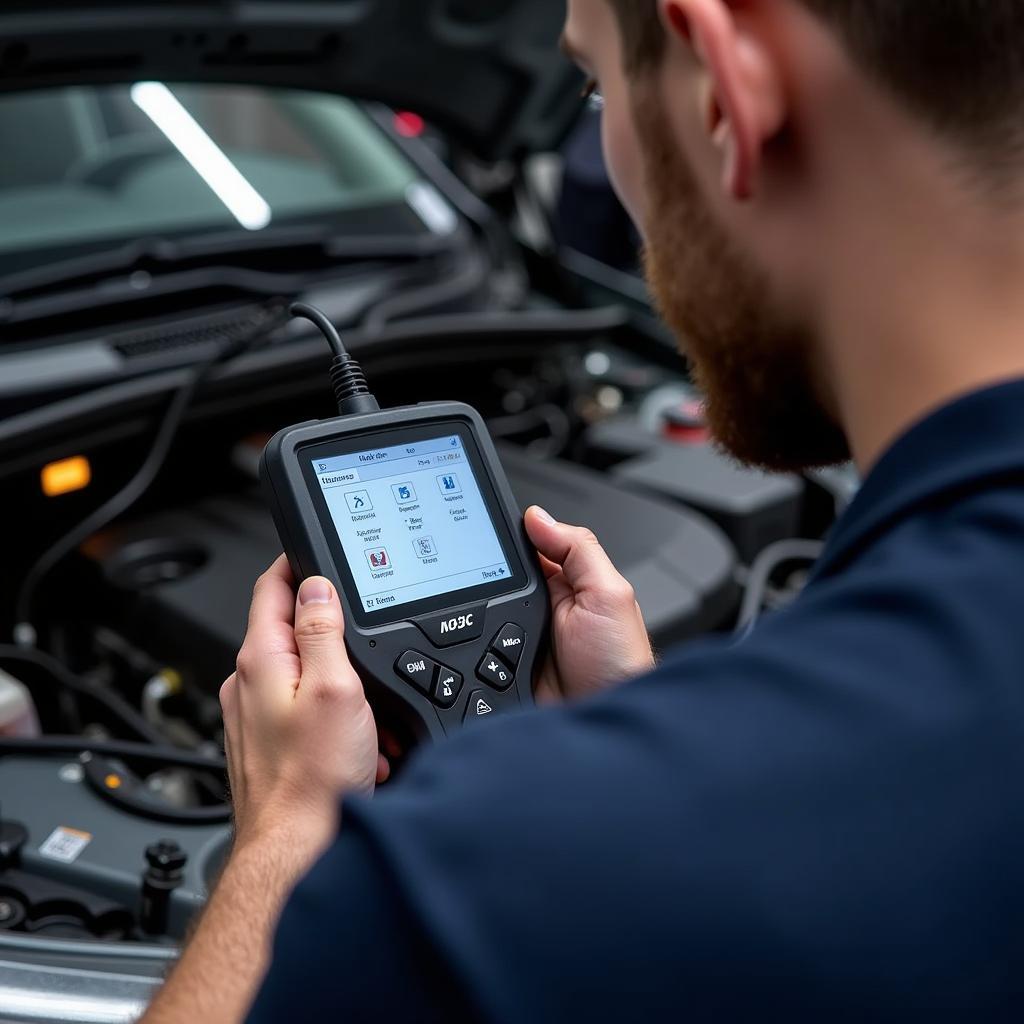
(753, 362)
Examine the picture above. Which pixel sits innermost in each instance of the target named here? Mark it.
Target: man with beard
(825, 821)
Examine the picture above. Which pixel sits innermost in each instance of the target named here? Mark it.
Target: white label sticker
(65, 844)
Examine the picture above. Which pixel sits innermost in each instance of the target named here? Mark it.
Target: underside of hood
(486, 71)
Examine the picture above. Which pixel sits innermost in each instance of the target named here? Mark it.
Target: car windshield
(89, 166)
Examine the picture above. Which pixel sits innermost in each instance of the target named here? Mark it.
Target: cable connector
(350, 388)
(347, 377)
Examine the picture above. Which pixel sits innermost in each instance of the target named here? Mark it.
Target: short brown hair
(958, 63)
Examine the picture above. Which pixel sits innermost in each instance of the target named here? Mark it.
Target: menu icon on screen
(425, 547)
(449, 484)
(378, 559)
(404, 492)
(359, 501)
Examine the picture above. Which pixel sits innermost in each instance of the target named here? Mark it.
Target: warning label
(65, 844)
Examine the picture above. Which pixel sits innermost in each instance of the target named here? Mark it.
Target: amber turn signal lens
(66, 476)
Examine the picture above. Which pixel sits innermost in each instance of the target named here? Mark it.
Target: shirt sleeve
(347, 949)
(818, 824)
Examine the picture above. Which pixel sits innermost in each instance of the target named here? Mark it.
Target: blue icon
(359, 501)
(455, 442)
(449, 484)
(404, 493)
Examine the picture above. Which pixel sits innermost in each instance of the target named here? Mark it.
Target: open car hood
(486, 71)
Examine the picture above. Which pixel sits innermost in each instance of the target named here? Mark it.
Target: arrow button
(447, 688)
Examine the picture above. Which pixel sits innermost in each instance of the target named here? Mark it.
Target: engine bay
(139, 386)
(142, 624)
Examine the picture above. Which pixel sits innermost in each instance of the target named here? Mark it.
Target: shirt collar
(971, 442)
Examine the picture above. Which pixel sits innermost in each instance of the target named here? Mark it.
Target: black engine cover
(181, 581)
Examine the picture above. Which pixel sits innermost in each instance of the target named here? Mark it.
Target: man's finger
(270, 640)
(233, 740)
(548, 567)
(229, 712)
(320, 636)
(558, 587)
(227, 696)
(273, 597)
(584, 562)
(389, 744)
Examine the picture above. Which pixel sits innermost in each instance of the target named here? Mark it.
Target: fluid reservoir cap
(687, 422)
(166, 856)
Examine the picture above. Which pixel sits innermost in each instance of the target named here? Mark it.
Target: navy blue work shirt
(824, 822)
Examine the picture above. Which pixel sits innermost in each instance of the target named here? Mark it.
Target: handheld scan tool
(409, 513)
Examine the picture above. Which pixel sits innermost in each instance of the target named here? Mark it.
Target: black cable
(304, 311)
(25, 437)
(347, 377)
(761, 572)
(68, 680)
(73, 745)
(464, 284)
(25, 633)
(549, 415)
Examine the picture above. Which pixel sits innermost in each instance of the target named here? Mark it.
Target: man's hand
(298, 730)
(299, 736)
(598, 637)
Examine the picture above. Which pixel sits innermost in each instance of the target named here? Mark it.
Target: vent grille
(216, 328)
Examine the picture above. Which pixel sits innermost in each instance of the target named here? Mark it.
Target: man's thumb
(583, 561)
(319, 629)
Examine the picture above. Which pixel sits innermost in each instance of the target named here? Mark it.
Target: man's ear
(746, 102)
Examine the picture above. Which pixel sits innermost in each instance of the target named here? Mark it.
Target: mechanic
(824, 821)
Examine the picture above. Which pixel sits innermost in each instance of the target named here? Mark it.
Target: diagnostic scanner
(409, 513)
